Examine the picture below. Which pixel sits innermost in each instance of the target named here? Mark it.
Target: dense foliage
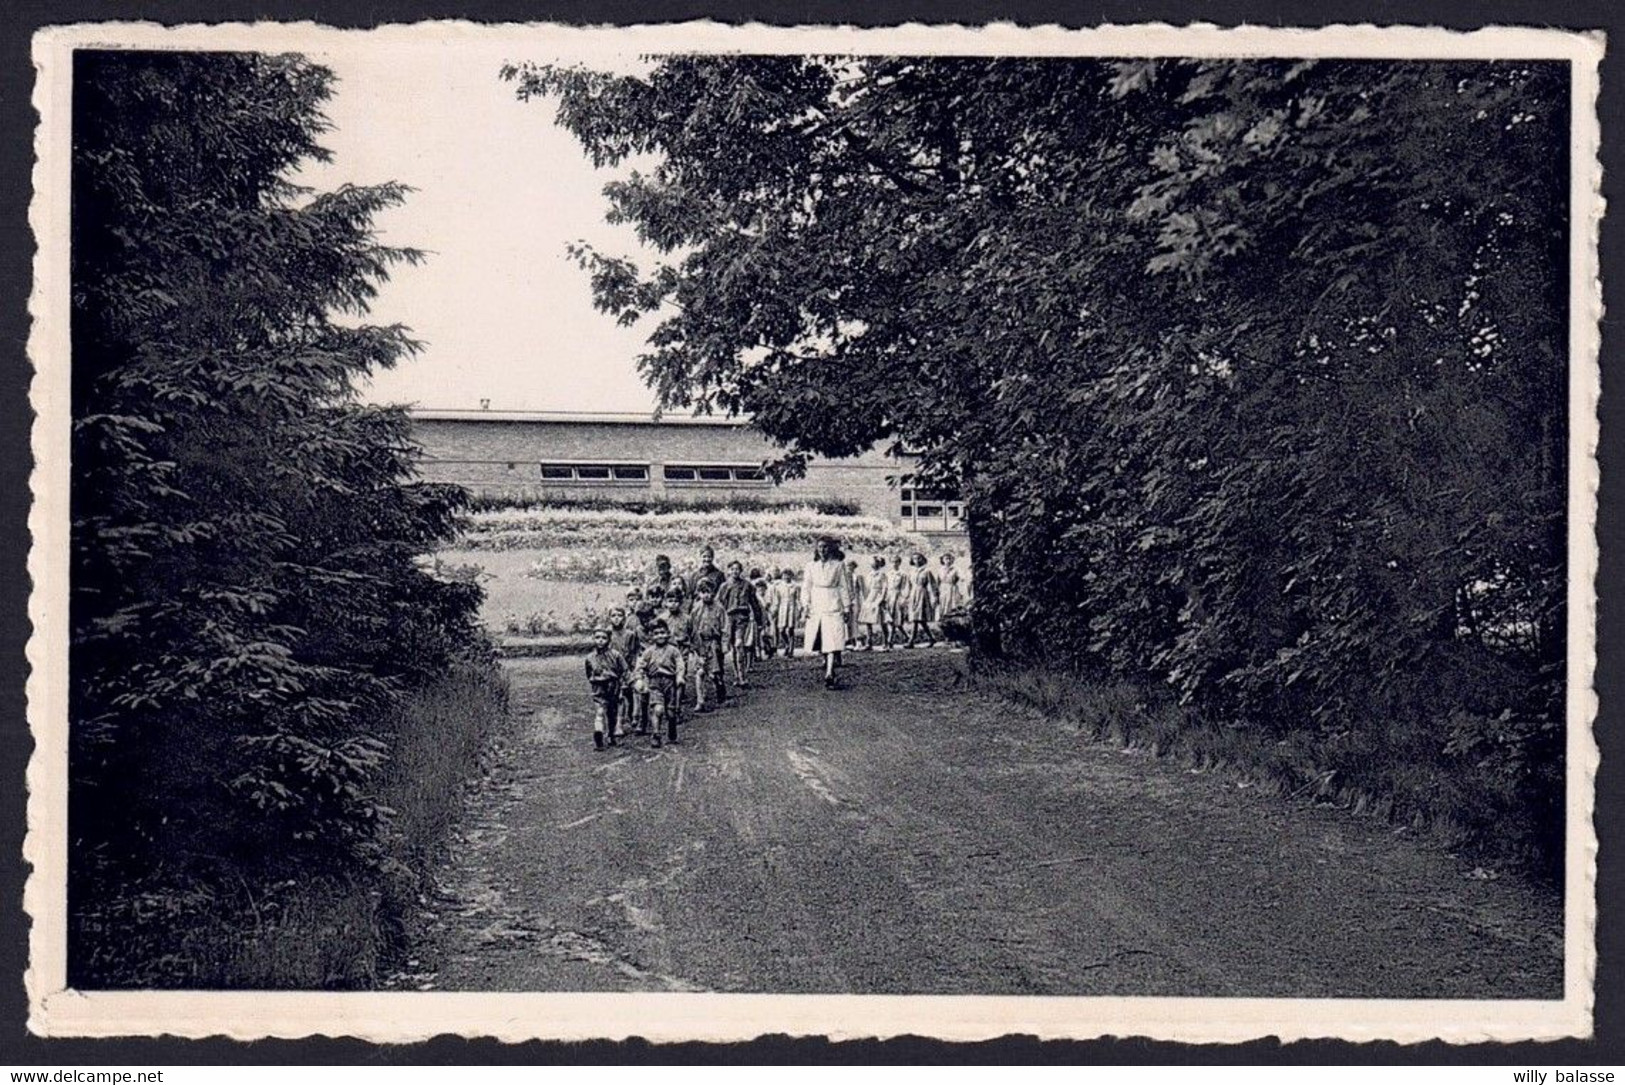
(1252, 373)
(245, 611)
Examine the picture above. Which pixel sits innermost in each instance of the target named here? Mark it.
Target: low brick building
(628, 456)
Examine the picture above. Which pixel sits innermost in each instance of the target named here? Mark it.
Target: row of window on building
(638, 473)
(919, 509)
(931, 510)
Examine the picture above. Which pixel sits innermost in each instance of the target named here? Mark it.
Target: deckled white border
(397, 1017)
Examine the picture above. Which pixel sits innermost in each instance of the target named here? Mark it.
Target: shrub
(236, 926)
(550, 623)
(246, 615)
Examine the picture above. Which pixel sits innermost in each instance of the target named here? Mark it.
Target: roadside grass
(442, 735)
(321, 934)
(235, 928)
(1384, 772)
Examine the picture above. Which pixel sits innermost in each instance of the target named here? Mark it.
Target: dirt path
(900, 836)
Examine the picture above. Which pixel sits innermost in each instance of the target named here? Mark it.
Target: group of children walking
(680, 635)
(891, 603)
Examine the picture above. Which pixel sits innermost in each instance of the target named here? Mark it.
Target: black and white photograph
(696, 532)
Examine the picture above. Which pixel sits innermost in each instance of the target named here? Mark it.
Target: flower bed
(620, 529)
(557, 571)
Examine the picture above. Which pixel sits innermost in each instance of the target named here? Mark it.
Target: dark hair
(738, 563)
(658, 627)
(662, 559)
(827, 545)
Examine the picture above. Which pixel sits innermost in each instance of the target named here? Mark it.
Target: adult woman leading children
(827, 596)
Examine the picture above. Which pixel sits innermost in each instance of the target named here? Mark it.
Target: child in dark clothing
(624, 638)
(761, 641)
(634, 604)
(606, 670)
(658, 677)
(744, 610)
(707, 626)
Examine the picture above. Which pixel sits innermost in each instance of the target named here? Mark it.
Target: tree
(244, 601)
(1252, 372)
(863, 249)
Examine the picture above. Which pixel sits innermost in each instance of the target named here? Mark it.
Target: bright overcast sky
(503, 311)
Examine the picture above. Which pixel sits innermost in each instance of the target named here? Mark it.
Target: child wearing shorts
(606, 670)
(707, 626)
(658, 677)
(624, 638)
(743, 607)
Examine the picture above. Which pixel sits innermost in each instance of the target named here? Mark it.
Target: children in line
(707, 626)
(640, 661)
(761, 641)
(625, 638)
(854, 600)
(897, 591)
(707, 573)
(922, 601)
(743, 612)
(787, 612)
(606, 671)
(663, 581)
(675, 615)
(875, 601)
(658, 677)
(640, 610)
(955, 589)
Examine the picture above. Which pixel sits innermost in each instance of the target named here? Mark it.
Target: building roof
(622, 418)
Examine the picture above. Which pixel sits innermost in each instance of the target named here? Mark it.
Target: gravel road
(903, 835)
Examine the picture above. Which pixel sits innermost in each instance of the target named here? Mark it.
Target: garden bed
(552, 574)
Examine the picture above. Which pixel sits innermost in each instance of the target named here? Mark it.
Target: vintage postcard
(695, 532)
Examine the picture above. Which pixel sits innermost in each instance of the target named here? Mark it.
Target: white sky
(505, 315)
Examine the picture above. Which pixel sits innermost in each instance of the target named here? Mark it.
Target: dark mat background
(20, 18)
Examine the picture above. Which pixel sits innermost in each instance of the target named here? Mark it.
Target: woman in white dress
(825, 595)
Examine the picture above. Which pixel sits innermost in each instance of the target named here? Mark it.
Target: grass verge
(1381, 772)
(238, 926)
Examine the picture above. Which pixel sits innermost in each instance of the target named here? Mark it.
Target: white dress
(824, 592)
(872, 605)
